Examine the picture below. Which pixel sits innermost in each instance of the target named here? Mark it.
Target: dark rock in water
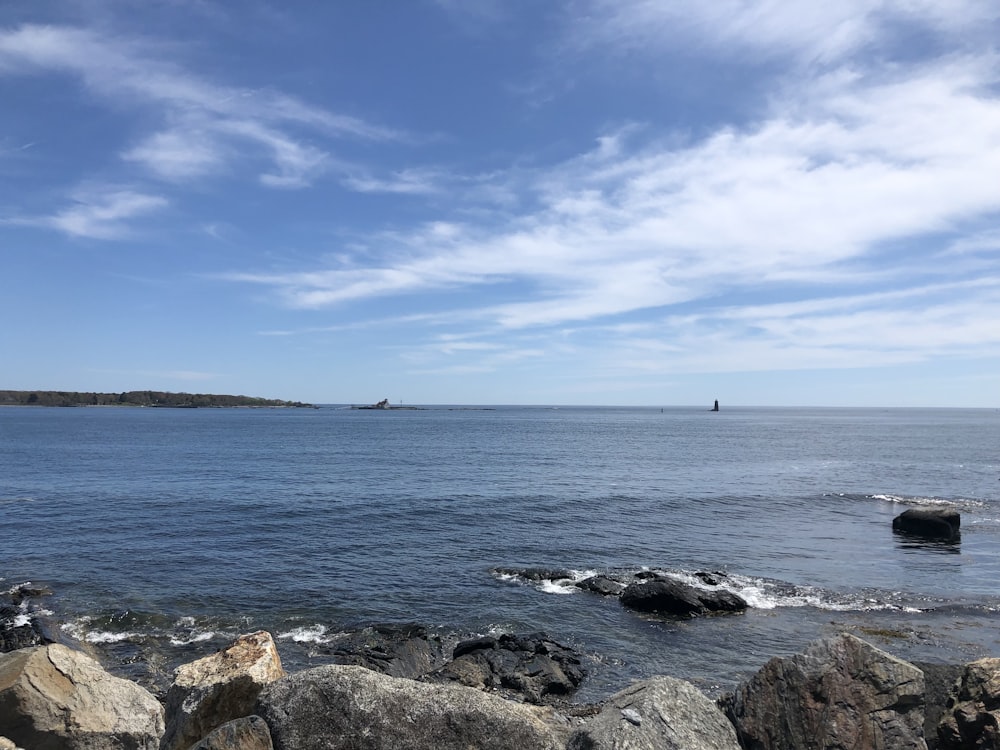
(14, 637)
(27, 591)
(840, 694)
(531, 667)
(712, 579)
(536, 574)
(929, 523)
(673, 598)
(972, 715)
(601, 585)
(404, 650)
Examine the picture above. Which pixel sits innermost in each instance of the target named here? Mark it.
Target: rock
(396, 650)
(6, 744)
(939, 682)
(535, 574)
(207, 693)
(601, 585)
(666, 596)
(972, 715)
(929, 523)
(345, 708)
(54, 697)
(248, 733)
(661, 713)
(531, 667)
(840, 694)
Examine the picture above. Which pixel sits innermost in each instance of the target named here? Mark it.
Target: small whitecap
(305, 634)
(106, 636)
(196, 638)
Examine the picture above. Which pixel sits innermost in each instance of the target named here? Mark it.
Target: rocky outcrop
(54, 697)
(345, 707)
(939, 685)
(533, 667)
(972, 715)
(666, 596)
(840, 694)
(929, 523)
(248, 733)
(18, 627)
(219, 688)
(407, 650)
(660, 713)
(601, 585)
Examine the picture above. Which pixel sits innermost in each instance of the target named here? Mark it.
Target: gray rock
(601, 585)
(939, 684)
(349, 708)
(972, 716)
(667, 596)
(54, 698)
(6, 744)
(840, 694)
(406, 650)
(661, 713)
(219, 688)
(929, 523)
(248, 733)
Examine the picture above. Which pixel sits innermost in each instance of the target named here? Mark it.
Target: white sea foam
(205, 635)
(306, 634)
(929, 502)
(107, 636)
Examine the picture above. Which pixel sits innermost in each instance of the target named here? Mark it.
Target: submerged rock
(54, 697)
(219, 688)
(531, 667)
(346, 708)
(839, 694)
(661, 713)
(929, 523)
(666, 596)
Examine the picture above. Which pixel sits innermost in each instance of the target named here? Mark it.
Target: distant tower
(716, 407)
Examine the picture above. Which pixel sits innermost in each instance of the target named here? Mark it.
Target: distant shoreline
(149, 399)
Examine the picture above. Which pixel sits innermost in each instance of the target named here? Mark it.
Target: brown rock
(972, 716)
(248, 733)
(207, 693)
(52, 697)
(839, 694)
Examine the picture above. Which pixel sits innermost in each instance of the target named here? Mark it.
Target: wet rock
(661, 713)
(839, 694)
(929, 523)
(345, 707)
(972, 715)
(406, 650)
(531, 667)
(219, 688)
(939, 684)
(665, 596)
(601, 585)
(536, 574)
(54, 697)
(248, 733)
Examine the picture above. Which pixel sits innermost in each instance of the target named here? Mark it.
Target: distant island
(386, 406)
(139, 398)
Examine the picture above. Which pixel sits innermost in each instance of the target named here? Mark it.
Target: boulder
(661, 713)
(839, 694)
(53, 697)
(531, 667)
(972, 715)
(929, 523)
(219, 688)
(345, 708)
(667, 596)
(397, 650)
(939, 683)
(248, 733)
(601, 585)
(6, 744)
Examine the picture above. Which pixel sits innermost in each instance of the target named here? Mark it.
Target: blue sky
(520, 202)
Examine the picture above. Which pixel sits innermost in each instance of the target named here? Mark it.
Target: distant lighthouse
(716, 407)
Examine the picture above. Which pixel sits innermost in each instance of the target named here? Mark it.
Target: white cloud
(99, 212)
(206, 126)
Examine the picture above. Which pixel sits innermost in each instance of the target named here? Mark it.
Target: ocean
(164, 533)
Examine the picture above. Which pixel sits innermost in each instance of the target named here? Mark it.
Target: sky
(609, 202)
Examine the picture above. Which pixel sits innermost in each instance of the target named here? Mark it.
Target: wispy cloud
(98, 212)
(205, 126)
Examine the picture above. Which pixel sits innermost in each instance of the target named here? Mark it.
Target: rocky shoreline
(400, 686)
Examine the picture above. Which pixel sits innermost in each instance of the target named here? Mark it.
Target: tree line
(135, 398)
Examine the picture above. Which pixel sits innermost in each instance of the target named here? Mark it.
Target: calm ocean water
(166, 532)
